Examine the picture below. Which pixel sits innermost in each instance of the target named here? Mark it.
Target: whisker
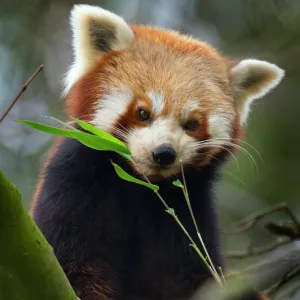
(229, 143)
(198, 146)
(246, 152)
(243, 142)
(211, 142)
(236, 178)
(83, 116)
(225, 171)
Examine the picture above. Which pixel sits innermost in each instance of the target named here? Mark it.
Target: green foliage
(101, 141)
(29, 269)
(124, 175)
(98, 140)
(47, 128)
(171, 211)
(123, 151)
(178, 183)
(100, 133)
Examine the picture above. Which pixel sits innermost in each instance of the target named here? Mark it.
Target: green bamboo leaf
(127, 156)
(178, 183)
(98, 143)
(88, 127)
(171, 211)
(47, 128)
(65, 124)
(124, 175)
(98, 132)
(92, 141)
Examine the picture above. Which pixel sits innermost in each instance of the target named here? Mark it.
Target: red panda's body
(114, 239)
(167, 96)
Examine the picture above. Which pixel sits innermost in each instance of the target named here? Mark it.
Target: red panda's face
(157, 105)
(167, 96)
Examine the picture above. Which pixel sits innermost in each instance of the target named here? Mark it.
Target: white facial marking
(189, 107)
(111, 107)
(219, 127)
(142, 142)
(157, 100)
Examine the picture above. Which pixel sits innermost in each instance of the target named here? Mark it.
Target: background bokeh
(37, 31)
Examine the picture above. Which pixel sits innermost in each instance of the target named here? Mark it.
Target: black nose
(164, 154)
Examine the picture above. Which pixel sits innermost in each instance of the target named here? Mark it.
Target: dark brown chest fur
(113, 238)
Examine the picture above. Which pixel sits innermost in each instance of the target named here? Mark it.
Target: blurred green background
(35, 31)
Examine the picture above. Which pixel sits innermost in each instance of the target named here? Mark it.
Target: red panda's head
(166, 95)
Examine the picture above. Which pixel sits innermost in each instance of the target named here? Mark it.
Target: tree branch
(251, 220)
(285, 279)
(29, 268)
(23, 89)
(252, 251)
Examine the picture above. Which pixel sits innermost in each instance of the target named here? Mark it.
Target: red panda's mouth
(154, 171)
(161, 162)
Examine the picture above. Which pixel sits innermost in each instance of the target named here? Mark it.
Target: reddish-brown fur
(204, 75)
(131, 68)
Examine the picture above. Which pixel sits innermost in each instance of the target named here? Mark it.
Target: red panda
(168, 97)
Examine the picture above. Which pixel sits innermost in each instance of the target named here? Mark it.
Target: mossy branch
(29, 269)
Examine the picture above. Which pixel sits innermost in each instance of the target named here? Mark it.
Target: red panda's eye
(191, 125)
(143, 115)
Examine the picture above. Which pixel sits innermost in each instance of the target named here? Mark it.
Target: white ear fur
(253, 79)
(95, 32)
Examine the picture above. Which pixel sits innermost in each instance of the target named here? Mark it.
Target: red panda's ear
(95, 32)
(253, 79)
